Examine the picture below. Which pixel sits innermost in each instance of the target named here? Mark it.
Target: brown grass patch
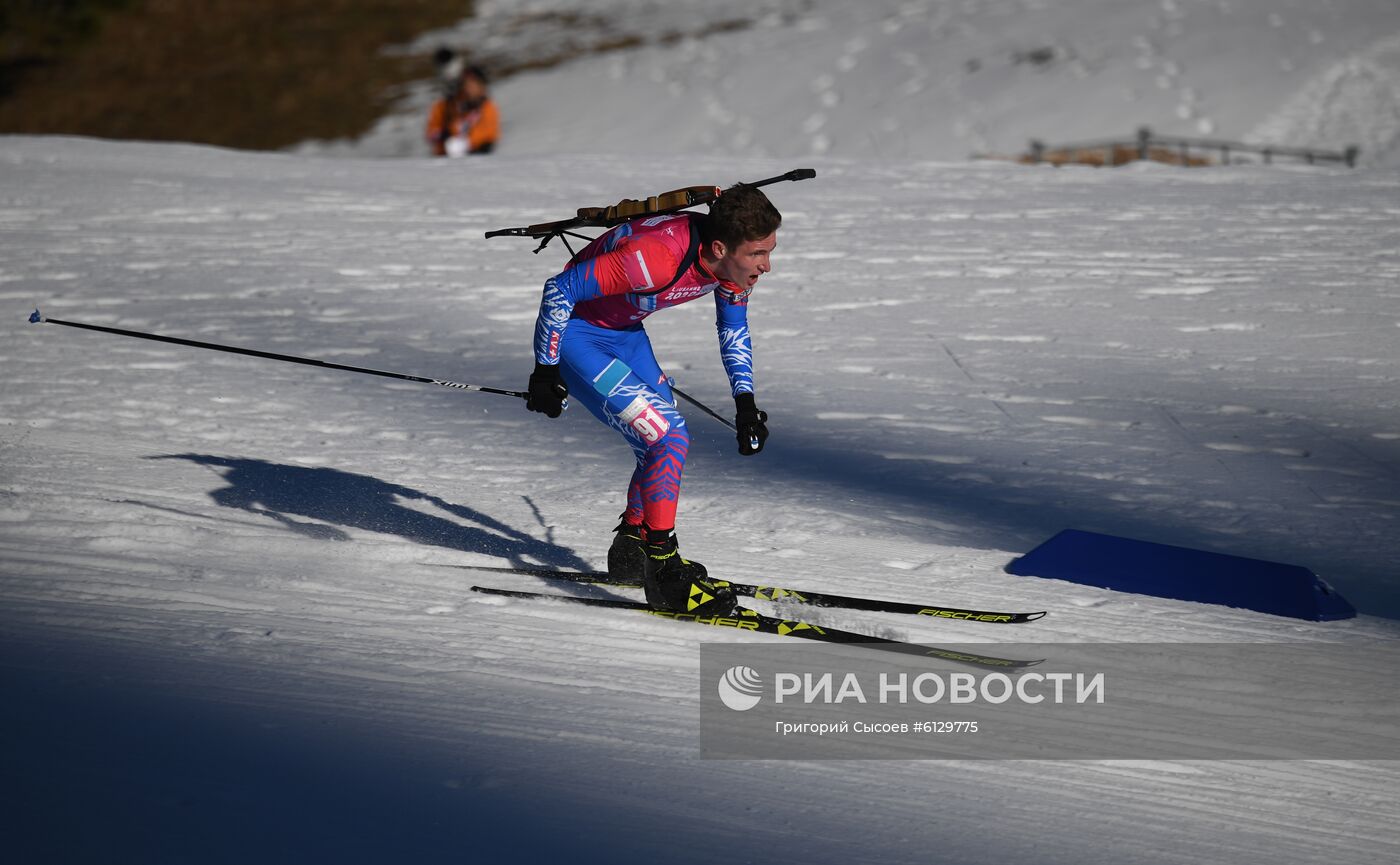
(256, 74)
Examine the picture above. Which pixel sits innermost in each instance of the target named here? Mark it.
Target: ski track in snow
(1200, 358)
(920, 79)
(1355, 100)
(223, 615)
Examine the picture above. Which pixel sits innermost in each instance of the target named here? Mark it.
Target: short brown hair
(740, 213)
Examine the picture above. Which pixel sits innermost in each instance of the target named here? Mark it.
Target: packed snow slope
(923, 79)
(226, 634)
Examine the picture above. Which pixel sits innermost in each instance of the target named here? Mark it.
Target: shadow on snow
(1007, 513)
(322, 502)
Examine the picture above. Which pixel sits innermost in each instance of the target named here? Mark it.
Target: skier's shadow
(325, 499)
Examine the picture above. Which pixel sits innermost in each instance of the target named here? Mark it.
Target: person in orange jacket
(465, 121)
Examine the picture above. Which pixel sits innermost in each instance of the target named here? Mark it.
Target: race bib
(646, 421)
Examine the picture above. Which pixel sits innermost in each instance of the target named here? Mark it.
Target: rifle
(632, 208)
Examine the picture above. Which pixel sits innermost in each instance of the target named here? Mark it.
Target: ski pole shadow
(320, 503)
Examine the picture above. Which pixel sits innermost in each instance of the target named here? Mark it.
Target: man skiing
(589, 343)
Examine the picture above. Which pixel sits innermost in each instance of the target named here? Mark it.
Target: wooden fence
(1193, 152)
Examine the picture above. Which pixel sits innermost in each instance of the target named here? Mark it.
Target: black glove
(749, 421)
(548, 393)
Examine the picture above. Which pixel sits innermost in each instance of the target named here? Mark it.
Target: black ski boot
(679, 585)
(627, 557)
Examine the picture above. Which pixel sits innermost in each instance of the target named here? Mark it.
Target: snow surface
(923, 79)
(228, 634)
(223, 618)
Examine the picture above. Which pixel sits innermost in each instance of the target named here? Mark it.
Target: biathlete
(589, 343)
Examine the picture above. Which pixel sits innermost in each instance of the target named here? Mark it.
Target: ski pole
(700, 405)
(753, 440)
(37, 318)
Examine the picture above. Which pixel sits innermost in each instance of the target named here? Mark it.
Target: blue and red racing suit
(590, 324)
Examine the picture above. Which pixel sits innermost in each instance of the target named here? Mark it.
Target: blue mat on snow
(1163, 571)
